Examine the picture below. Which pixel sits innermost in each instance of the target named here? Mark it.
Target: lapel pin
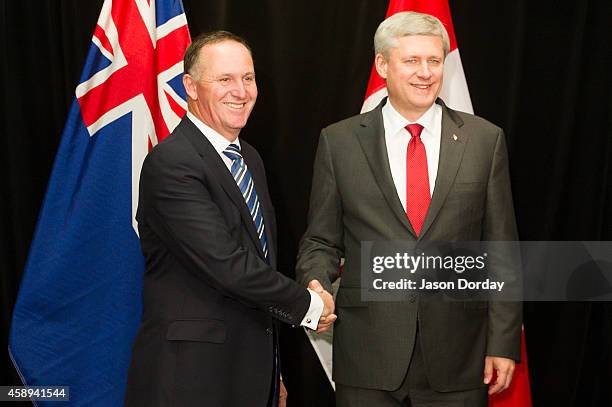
(455, 138)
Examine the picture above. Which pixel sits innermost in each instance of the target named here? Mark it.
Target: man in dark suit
(411, 169)
(208, 234)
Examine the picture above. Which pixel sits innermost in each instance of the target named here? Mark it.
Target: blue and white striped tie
(245, 183)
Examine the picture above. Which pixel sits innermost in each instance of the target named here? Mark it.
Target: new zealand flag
(79, 303)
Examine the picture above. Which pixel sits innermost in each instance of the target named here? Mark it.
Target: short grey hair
(404, 24)
(192, 52)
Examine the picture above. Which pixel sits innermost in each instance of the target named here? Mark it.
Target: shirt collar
(219, 142)
(396, 121)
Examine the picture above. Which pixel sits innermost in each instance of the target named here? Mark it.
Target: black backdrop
(539, 69)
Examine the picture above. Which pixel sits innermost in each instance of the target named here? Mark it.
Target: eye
(249, 78)
(224, 80)
(434, 61)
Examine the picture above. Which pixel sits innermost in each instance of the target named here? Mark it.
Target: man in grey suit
(411, 169)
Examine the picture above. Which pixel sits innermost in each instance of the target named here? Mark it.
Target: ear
(190, 86)
(381, 65)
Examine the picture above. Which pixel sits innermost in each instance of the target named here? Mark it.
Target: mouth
(421, 86)
(235, 106)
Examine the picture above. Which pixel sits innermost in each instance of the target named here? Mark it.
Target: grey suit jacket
(354, 199)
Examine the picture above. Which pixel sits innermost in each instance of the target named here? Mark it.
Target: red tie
(417, 179)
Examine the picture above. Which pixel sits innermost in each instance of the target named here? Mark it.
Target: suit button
(269, 331)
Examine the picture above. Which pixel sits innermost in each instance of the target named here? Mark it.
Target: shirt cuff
(311, 319)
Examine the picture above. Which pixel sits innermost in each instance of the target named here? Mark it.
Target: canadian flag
(455, 94)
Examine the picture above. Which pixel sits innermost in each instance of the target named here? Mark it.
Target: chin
(236, 121)
(426, 103)
(239, 124)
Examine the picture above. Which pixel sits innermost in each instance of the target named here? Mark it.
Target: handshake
(327, 316)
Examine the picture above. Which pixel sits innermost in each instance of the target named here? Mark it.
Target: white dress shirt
(220, 143)
(397, 139)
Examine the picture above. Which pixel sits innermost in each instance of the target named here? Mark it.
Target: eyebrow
(232, 74)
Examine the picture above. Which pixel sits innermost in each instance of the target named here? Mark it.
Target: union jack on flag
(80, 299)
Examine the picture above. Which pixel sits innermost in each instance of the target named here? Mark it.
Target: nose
(424, 71)
(239, 89)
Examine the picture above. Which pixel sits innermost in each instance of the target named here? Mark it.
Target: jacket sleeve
(505, 314)
(322, 245)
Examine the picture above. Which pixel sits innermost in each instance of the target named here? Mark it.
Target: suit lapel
(371, 136)
(452, 146)
(216, 165)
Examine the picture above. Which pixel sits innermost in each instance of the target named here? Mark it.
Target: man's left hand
(504, 369)
(282, 395)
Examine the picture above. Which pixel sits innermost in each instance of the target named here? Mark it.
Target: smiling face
(222, 92)
(413, 71)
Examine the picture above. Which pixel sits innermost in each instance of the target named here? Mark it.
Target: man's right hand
(327, 317)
